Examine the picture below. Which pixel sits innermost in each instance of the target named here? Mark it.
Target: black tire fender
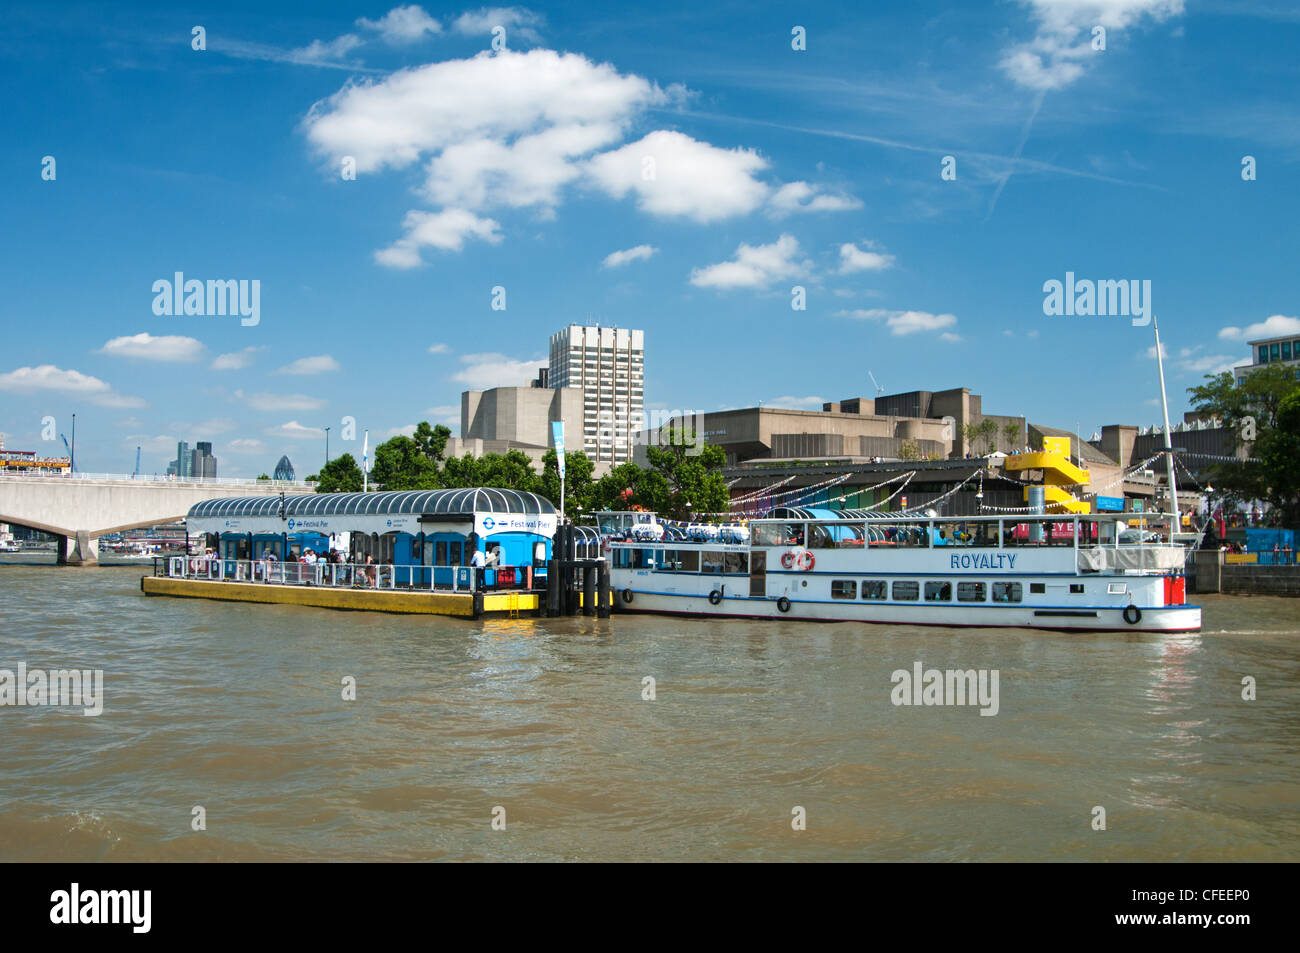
(783, 604)
(715, 597)
(627, 595)
(1132, 614)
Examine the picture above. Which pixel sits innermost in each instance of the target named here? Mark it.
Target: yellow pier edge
(466, 605)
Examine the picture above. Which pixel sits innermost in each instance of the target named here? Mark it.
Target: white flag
(365, 453)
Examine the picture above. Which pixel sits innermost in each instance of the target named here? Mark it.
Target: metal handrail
(325, 574)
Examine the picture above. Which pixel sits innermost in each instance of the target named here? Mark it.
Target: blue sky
(525, 168)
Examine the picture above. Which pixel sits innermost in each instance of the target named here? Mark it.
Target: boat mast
(1174, 520)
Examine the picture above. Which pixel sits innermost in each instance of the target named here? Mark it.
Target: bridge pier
(79, 550)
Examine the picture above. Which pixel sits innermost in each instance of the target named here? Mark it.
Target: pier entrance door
(757, 573)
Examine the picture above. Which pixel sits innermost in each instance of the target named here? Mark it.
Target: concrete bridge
(82, 508)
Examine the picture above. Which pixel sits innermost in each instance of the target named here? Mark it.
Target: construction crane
(879, 389)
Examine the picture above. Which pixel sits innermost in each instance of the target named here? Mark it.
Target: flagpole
(1174, 521)
(365, 464)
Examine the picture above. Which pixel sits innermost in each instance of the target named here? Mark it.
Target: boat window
(938, 592)
(642, 558)
(906, 591)
(844, 589)
(874, 589)
(898, 535)
(1007, 592)
(970, 533)
(1076, 587)
(972, 591)
(736, 564)
(667, 561)
(688, 560)
(711, 561)
(775, 534)
(821, 537)
(622, 559)
(851, 535)
(1037, 588)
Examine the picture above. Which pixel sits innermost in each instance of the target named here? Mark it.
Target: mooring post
(602, 605)
(552, 587)
(588, 588)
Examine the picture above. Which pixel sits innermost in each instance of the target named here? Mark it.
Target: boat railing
(343, 575)
(1140, 558)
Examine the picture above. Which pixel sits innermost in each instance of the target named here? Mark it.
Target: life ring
(783, 604)
(807, 560)
(605, 544)
(194, 565)
(787, 559)
(715, 597)
(1132, 614)
(627, 595)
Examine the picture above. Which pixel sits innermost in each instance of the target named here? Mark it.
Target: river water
(239, 709)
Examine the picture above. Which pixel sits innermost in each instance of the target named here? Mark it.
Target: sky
(790, 201)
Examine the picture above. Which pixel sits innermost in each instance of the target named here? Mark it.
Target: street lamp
(72, 453)
(327, 446)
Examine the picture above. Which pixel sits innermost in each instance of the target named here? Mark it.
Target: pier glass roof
(405, 511)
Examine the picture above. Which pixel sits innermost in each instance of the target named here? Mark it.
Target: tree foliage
(340, 475)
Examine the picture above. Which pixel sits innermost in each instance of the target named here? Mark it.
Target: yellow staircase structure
(1058, 472)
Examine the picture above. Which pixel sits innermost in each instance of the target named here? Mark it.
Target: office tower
(608, 364)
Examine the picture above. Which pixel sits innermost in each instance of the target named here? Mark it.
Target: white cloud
(802, 197)
(235, 360)
(317, 364)
(853, 258)
(904, 322)
(278, 402)
(407, 430)
(1062, 43)
(688, 179)
(438, 349)
(755, 266)
(445, 230)
(515, 19)
(245, 445)
(1210, 364)
(1164, 351)
(295, 431)
(402, 25)
(949, 336)
(448, 414)
(324, 52)
(484, 371)
(1272, 327)
(47, 377)
(168, 347)
(617, 259)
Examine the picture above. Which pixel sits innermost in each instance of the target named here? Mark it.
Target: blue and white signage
(1111, 504)
(557, 432)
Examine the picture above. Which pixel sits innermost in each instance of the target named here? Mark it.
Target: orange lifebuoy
(807, 560)
(787, 559)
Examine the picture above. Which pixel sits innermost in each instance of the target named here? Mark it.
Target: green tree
(340, 475)
(1011, 433)
(400, 465)
(1260, 415)
(579, 488)
(909, 450)
(264, 476)
(692, 477)
(431, 441)
(988, 431)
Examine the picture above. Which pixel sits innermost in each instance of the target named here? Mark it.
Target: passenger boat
(1075, 572)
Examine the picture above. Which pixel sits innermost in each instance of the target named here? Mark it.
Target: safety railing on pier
(345, 575)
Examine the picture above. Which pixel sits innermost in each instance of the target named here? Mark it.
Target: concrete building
(515, 418)
(608, 366)
(1265, 351)
(915, 424)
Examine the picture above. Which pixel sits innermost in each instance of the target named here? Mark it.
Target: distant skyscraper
(609, 365)
(184, 461)
(283, 470)
(202, 462)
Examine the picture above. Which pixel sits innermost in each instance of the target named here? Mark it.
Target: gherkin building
(283, 469)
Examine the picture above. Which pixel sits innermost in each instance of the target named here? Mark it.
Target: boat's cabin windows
(778, 534)
(1007, 592)
(735, 564)
(898, 535)
(688, 560)
(938, 592)
(1038, 533)
(964, 533)
(836, 535)
(972, 591)
(844, 589)
(906, 591)
(875, 589)
(710, 561)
